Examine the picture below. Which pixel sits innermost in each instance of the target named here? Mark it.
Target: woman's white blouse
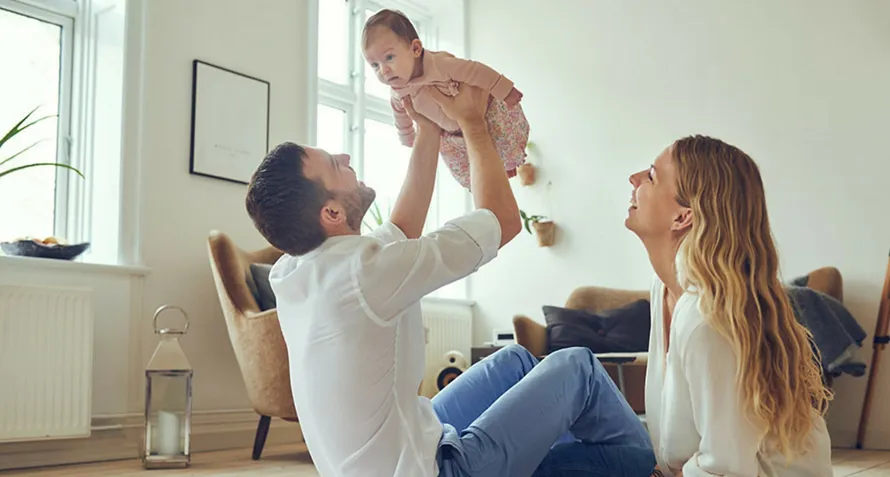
(693, 407)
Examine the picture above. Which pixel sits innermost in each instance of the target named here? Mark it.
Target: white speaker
(440, 373)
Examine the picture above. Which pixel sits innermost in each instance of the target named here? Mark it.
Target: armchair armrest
(530, 334)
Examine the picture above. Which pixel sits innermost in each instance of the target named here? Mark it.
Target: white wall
(801, 85)
(265, 39)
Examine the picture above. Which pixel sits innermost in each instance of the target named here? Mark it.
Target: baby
(391, 46)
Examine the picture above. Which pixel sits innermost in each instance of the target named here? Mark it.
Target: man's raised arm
(488, 179)
(413, 204)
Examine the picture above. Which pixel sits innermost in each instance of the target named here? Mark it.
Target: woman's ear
(683, 220)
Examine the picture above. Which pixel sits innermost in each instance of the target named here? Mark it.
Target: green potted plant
(526, 171)
(376, 216)
(14, 131)
(545, 229)
(48, 247)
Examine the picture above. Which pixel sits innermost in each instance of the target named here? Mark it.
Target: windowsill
(448, 301)
(72, 265)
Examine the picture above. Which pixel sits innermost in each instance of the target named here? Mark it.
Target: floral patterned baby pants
(509, 130)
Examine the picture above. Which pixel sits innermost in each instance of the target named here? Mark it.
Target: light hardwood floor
(293, 461)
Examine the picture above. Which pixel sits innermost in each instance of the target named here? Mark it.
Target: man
(350, 314)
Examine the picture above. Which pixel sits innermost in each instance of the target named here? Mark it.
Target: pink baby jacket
(444, 71)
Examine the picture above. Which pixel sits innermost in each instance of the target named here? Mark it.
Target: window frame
(351, 98)
(66, 14)
(359, 106)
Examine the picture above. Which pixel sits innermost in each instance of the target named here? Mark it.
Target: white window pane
(30, 54)
(331, 129)
(333, 40)
(385, 162)
(449, 202)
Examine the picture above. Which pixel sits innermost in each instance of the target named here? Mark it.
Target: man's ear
(416, 48)
(333, 214)
(683, 220)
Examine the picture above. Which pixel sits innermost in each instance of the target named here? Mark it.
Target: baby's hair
(393, 20)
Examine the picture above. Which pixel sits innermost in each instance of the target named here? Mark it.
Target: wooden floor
(293, 461)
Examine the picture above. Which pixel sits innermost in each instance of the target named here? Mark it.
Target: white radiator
(449, 328)
(46, 366)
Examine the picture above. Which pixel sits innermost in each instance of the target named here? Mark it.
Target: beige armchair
(629, 369)
(255, 336)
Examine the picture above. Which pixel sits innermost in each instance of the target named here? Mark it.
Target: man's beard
(357, 204)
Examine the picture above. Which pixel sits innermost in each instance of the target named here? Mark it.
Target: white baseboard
(846, 439)
(119, 437)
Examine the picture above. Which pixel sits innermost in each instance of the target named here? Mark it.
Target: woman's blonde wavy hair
(730, 257)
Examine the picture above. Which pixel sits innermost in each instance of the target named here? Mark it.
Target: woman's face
(654, 210)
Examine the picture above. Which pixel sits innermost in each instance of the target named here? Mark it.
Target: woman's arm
(729, 441)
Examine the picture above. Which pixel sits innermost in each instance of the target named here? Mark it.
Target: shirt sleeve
(394, 276)
(729, 441)
(387, 233)
(476, 74)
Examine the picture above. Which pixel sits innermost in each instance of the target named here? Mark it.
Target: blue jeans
(511, 415)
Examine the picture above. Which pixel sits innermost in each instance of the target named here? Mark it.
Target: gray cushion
(620, 330)
(265, 297)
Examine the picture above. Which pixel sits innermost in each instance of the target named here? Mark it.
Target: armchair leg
(262, 429)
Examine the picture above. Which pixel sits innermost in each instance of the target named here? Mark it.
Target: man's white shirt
(350, 315)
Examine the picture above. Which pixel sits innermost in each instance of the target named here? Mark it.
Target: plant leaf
(19, 128)
(40, 164)
(529, 230)
(522, 214)
(4, 161)
(14, 130)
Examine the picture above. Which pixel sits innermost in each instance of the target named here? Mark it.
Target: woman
(732, 387)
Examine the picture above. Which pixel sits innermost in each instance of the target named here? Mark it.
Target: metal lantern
(168, 400)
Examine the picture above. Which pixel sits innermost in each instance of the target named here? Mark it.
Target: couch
(628, 370)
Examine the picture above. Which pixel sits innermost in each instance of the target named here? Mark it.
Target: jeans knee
(578, 357)
(515, 351)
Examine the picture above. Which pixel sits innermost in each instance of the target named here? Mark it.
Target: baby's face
(391, 58)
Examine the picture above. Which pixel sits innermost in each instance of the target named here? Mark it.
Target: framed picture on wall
(230, 123)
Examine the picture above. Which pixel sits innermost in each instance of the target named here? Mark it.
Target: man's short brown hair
(284, 204)
(395, 21)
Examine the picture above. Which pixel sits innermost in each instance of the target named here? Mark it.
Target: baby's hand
(513, 97)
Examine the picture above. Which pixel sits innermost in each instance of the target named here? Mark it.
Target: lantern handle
(163, 331)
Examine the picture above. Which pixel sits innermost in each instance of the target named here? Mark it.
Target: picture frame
(230, 123)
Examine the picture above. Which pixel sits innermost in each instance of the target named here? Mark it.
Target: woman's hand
(423, 123)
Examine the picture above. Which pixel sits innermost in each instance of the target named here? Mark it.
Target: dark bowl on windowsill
(30, 248)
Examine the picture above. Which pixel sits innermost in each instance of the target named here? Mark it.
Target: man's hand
(488, 181)
(469, 105)
(423, 123)
(513, 97)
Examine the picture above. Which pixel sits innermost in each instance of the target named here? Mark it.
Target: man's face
(335, 173)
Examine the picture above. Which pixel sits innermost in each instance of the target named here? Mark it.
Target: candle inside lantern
(168, 434)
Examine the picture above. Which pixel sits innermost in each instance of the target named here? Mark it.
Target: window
(71, 70)
(354, 113)
(36, 50)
